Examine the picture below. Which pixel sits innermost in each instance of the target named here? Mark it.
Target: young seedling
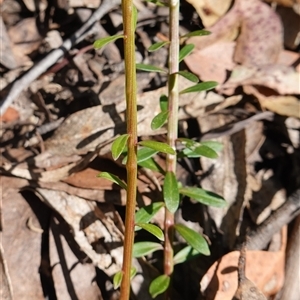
(142, 153)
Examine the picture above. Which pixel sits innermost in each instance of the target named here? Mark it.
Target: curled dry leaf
(283, 105)
(280, 78)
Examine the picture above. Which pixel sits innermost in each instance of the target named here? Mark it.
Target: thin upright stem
(131, 119)
(173, 97)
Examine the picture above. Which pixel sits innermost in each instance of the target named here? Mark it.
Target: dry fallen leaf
(212, 62)
(265, 269)
(282, 79)
(283, 105)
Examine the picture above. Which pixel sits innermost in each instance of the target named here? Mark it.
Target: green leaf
(149, 68)
(153, 229)
(113, 178)
(117, 279)
(132, 272)
(163, 102)
(145, 153)
(193, 238)
(189, 76)
(134, 17)
(184, 255)
(203, 86)
(106, 40)
(146, 213)
(203, 196)
(161, 147)
(144, 248)
(185, 51)
(151, 164)
(171, 192)
(142, 154)
(159, 120)
(157, 46)
(217, 146)
(203, 150)
(119, 145)
(159, 285)
(196, 33)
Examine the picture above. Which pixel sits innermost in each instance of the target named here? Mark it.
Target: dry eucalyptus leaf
(212, 62)
(263, 268)
(283, 105)
(282, 79)
(261, 36)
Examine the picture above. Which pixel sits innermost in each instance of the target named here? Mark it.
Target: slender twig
(131, 166)
(261, 236)
(39, 68)
(172, 125)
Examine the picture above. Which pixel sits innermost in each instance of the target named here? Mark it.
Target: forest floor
(62, 105)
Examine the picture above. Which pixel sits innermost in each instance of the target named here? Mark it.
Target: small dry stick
(246, 288)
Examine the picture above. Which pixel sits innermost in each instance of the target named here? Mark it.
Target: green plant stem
(172, 125)
(131, 165)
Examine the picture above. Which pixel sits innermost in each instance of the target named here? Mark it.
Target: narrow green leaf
(193, 238)
(163, 102)
(159, 120)
(184, 255)
(145, 153)
(119, 145)
(205, 151)
(153, 229)
(117, 279)
(146, 213)
(203, 196)
(217, 146)
(151, 164)
(157, 46)
(159, 285)
(134, 17)
(189, 76)
(144, 248)
(161, 147)
(132, 272)
(171, 192)
(142, 154)
(149, 68)
(203, 86)
(196, 33)
(113, 178)
(185, 51)
(106, 40)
